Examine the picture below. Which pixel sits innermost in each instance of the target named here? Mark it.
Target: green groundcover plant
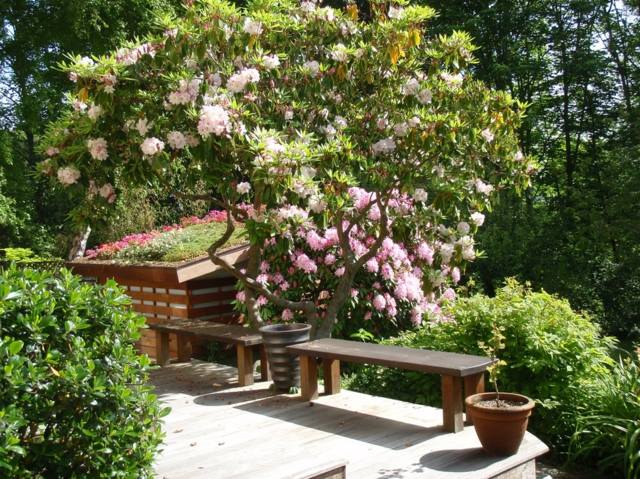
(552, 354)
(73, 395)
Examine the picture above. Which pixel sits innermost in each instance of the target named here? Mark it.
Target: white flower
(142, 125)
(425, 96)
(329, 130)
(288, 115)
(110, 89)
(411, 87)
(86, 62)
(312, 66)
(68, 175)
(107, 192)
(395, 13)
(52, 151)
(482, 187)
(271, 61)
(151, 146)
(401, 129)
(339, 53)
(243, 188)
(384, 146)
(94, 112)
(518, 156)
(98, 148)
(381, 123)
(340, 122)
(251, 27)
(307, 6)
(463, 228)
(487, 135)
(238, 82)
(187, 92)
(213, 119)
(176, 140)
(79, 105)
(451, 80)
(317, 204)
(420, 194)
(414, 121)
(477, 218)
(446, 251)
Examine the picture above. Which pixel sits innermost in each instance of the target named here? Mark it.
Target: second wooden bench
(244, 340)
(454, 369)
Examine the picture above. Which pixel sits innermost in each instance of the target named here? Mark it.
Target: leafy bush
(608, 425)
(553, 355)
(73, 395)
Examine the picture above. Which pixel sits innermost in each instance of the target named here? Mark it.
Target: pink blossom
(287, 315)
(455, 274)
(372, 265)
(306, 264)
(240, 296)
(379, 302)
(264, 267)
(315, 241)
(329, 259)
(213, 119)
(340, 272)
(449, 294)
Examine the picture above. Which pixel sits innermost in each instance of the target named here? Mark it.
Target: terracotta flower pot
(500, 429)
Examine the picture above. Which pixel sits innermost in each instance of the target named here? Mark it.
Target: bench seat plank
(224, 333)
(422, 360)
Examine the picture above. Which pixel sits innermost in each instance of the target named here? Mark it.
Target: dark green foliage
(576, 232)
(551, 353)
(73, 394)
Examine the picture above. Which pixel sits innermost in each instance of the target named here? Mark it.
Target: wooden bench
(245, 341)
(455, 369)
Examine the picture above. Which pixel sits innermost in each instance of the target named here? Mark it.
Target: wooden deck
(219, 430)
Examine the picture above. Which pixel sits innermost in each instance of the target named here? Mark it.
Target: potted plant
(500, 419)
(285, 367)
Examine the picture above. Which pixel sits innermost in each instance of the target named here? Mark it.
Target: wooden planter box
(195, 289)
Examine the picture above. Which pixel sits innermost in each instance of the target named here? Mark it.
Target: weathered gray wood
(224, 333)
(213, 431)
(423, 360)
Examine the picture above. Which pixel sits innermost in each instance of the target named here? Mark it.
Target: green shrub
(73, 395)
(608, 422)
(552, 355)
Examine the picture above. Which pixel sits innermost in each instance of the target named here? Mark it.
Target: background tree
(34, 37)
(576, 231)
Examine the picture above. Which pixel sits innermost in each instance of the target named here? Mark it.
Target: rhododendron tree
(364, 148)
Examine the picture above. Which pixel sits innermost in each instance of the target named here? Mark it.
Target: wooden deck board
(217, 430)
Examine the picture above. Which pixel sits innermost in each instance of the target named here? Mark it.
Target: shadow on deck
(219, 430)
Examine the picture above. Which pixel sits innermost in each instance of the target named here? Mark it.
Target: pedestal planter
(285, 368)
(500, 428)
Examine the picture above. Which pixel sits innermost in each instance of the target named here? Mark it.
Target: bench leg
(245, 365)
(184, 348)
(265, 372)
(452, 417)
(473, 384)
(331, 370)
(162, 348)
(308, 378)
